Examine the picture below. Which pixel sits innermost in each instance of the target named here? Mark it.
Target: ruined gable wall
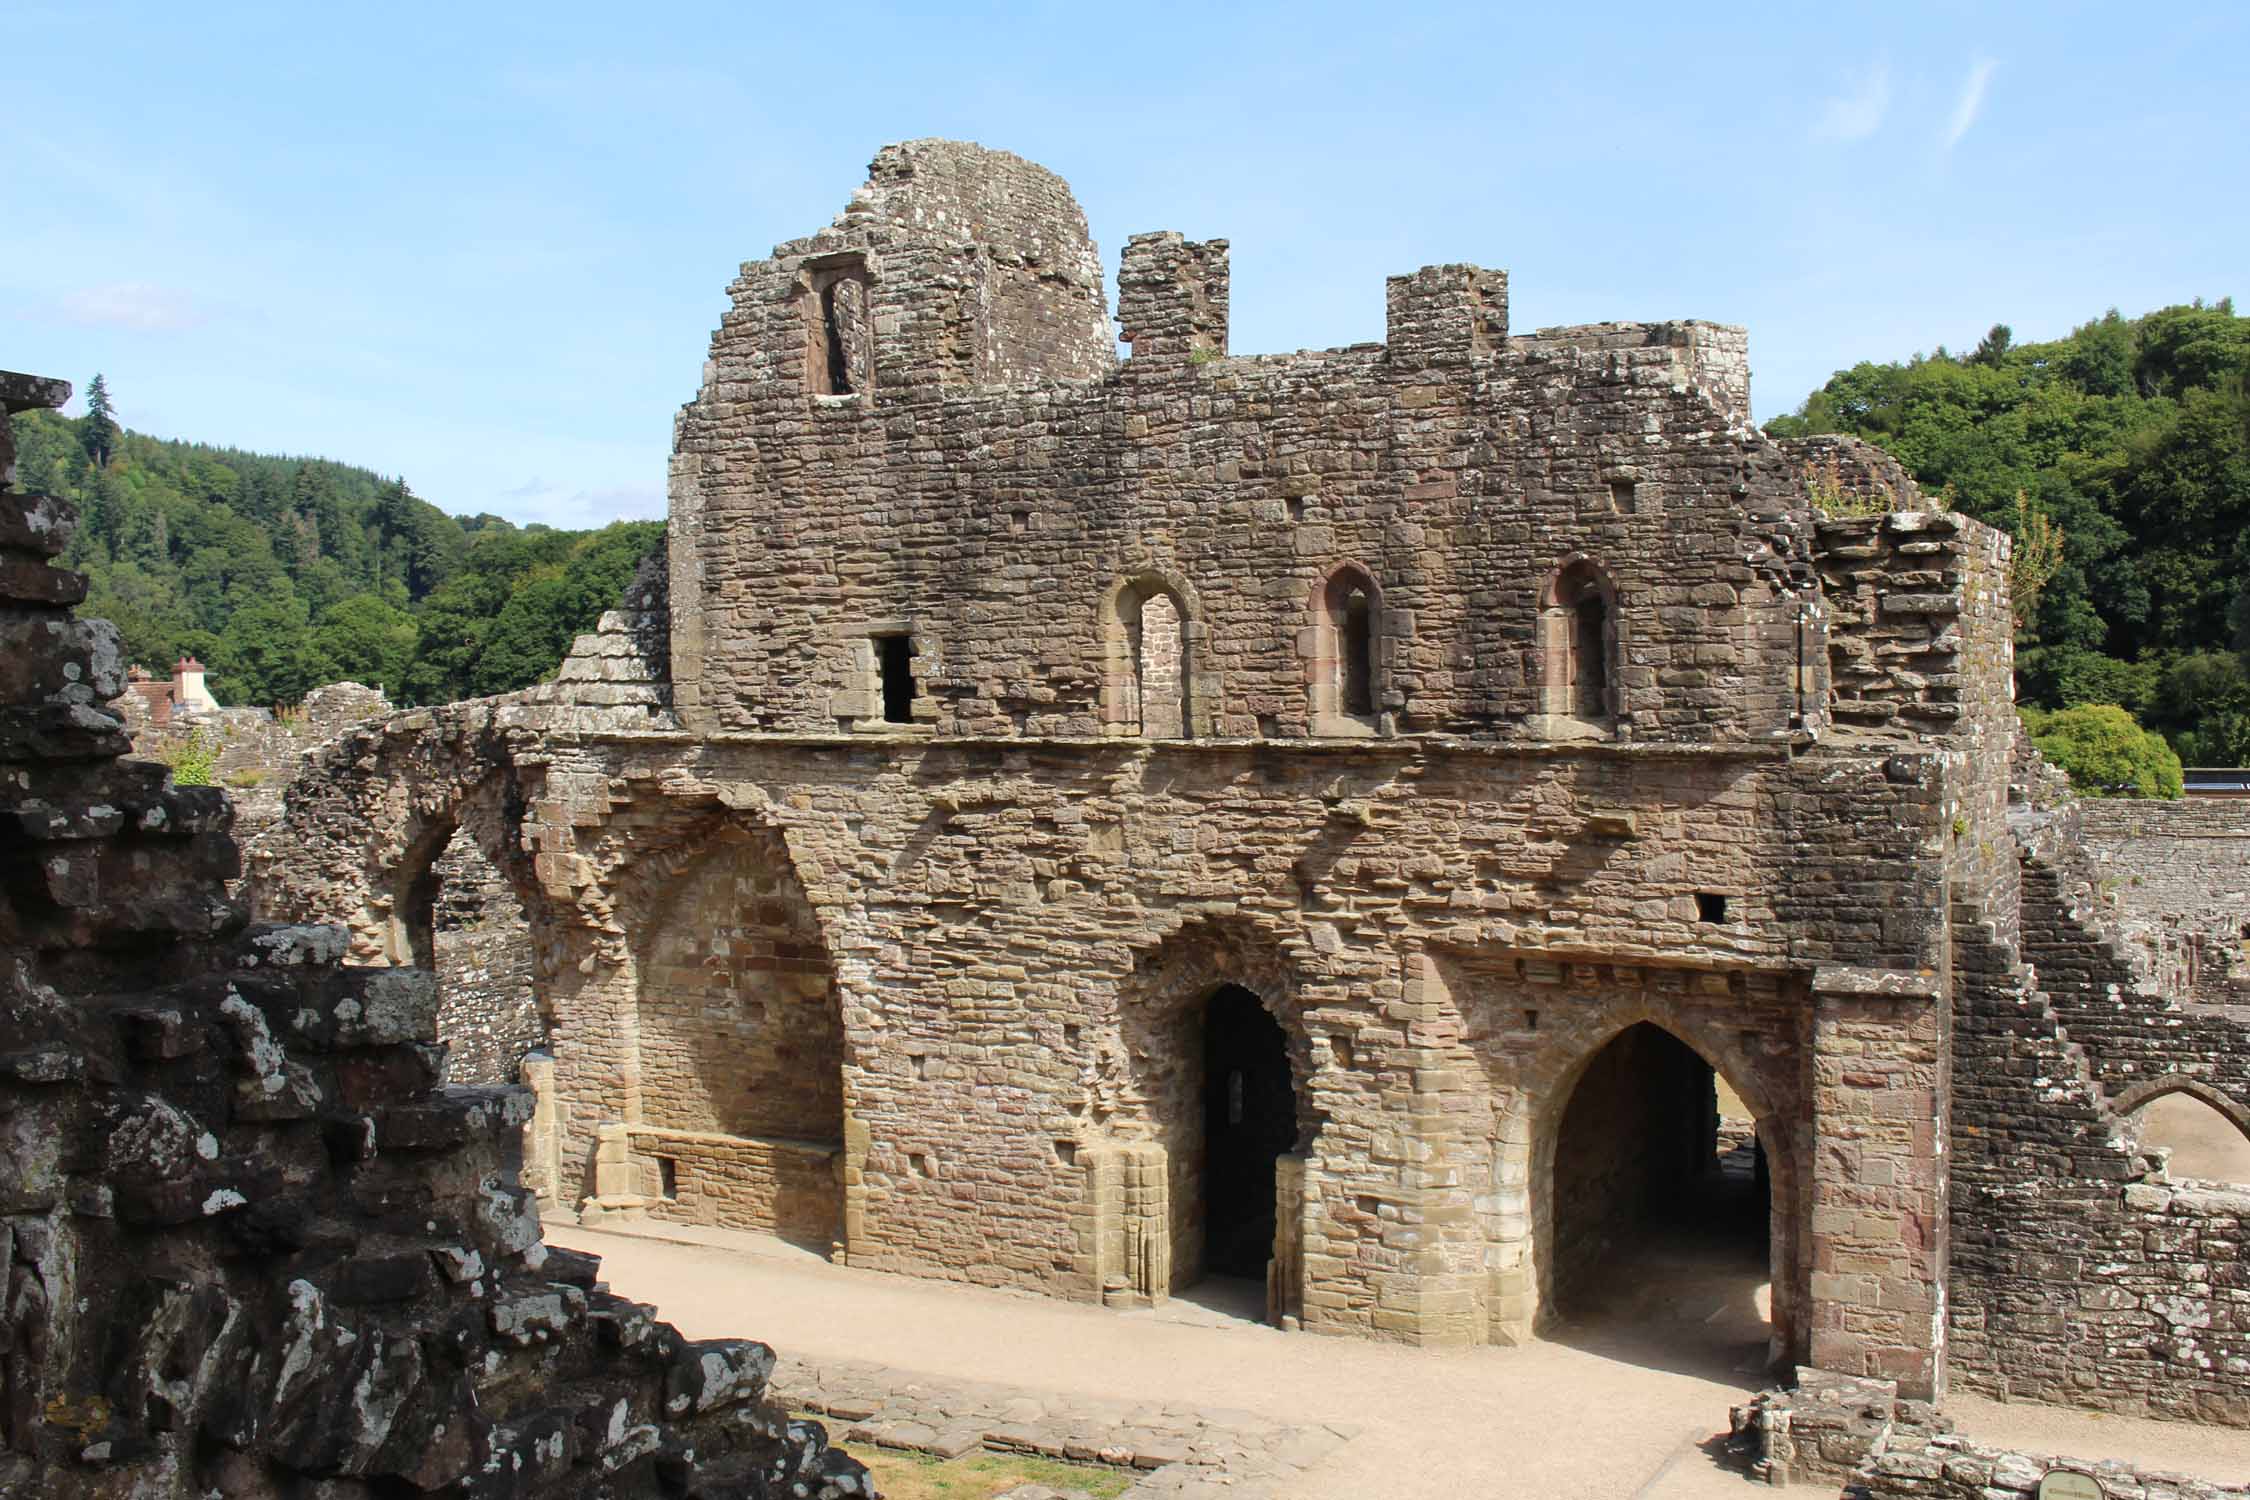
(1460, 470)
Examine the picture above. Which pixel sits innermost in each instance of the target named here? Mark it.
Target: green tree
(98, 430)
(2105, 753)
(2131, 438)
(367, 640)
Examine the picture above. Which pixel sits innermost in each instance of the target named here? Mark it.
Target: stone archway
(1644, 1213)
(2206, 1132)
(1533, 1028)
(409, 833)
(1216, 1094)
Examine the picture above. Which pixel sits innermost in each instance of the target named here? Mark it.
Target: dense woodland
(2132, 436)
(286, 573)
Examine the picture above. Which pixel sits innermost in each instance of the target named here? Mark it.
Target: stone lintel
(1851, 981)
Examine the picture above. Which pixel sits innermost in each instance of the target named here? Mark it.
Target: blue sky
(484, 246)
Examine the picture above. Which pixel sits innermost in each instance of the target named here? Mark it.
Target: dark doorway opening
(1249, 1122)
(1661, 1206)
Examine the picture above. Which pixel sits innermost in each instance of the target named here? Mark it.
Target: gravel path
(1622, 1408)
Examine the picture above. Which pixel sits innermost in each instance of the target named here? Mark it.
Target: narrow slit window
(839, 329)
(1589, 657)
(1355, 654)
(894, 661)
(1578, 645)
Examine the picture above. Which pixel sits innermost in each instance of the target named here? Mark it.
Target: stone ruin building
(1343, 818)
(248, 1247)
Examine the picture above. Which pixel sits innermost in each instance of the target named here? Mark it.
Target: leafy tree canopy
(2104, 752)
(286, 573)
(2133, 435)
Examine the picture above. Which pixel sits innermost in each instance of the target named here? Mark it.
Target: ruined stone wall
(1585, 773)
(1458, 472)
(488, 1011)
(251, 1246)
(1714, 358)
(2178, 875)
(2062, 1035)
(1010, 930)
(1933, 1466)
(480, 942)
(1855, 1436)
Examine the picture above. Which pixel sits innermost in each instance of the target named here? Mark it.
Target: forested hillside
(286, 573)
(2131, 435)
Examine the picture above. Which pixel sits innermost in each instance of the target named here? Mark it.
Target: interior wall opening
(1661, 1203)
(1249, 1120)
(894, 662)
(1355, 654)
(2204, 1144)
(1157, 642)
(462, 921)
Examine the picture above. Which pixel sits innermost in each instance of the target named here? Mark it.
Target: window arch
(2206, 1132)
(1343, 653)
(839, 328)
(1151, 690)
(1578, 645)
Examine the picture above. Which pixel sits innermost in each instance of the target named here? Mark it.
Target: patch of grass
(980, 1476)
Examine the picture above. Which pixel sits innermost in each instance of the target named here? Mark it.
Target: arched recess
(2206, 1131)
(1652, 1119)
(1154, 683)
(738, 1044)
(1578, 676)
(463, 904)
(1215, 1053)
(1342, 645)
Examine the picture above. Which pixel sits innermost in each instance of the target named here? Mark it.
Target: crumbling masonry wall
(2178, 876)
(1521, 697)
(251, 1245)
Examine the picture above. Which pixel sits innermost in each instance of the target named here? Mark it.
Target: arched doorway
(1249, 1123)
(1660, 1206)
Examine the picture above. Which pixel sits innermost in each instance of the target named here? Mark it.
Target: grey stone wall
(2178, 876)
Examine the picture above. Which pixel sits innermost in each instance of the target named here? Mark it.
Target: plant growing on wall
(1826, 490)
(194, 761)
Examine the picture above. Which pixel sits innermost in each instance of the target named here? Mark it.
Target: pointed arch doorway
(1661, 1229)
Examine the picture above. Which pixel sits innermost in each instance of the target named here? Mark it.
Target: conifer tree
(99, 431)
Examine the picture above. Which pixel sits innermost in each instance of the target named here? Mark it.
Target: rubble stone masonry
(1001, 710)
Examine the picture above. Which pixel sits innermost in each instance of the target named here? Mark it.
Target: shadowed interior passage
(1250, 1119)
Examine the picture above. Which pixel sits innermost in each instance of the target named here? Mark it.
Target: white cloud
(142, 306)
(557, 505)
(1855, 114)
(1970, 105)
